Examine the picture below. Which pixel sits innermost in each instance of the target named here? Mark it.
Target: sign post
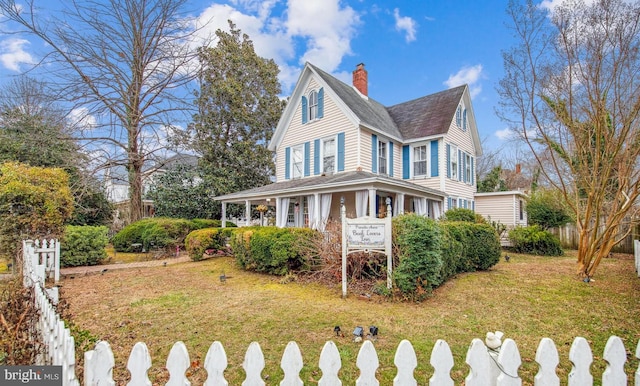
(366, 234)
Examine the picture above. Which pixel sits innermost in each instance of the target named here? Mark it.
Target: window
(467, 170)
(297, 161)
(382, 157)
(459, 116)
(329, 155)
(521, 209)
(464, 120)
(420, 160)
(313, 105)
(453, 162)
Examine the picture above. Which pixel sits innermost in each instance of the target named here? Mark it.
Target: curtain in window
(397, 205)
(420, 206)
(325, 207)
(283, 214)
(436, 209)
(362, 202)
(311, 200)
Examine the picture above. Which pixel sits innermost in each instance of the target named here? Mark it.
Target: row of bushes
(429, 252)
(158, 233)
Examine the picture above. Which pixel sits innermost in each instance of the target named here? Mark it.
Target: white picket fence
(39, 260)
(487, 367)
(636, 255)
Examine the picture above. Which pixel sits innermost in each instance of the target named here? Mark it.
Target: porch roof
(347, 181)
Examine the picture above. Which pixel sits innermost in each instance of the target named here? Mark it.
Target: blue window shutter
(321, 103)
(464, 119)
(307, 159)
(448, 161)
(340, 152)
(459, 165)
(287, 162)
(390, 159)
(374, 153)
(434, 158)
(473, 205)
(405, 162)
(472, 172)
(305, 107)
(464, 167)
(316, 157)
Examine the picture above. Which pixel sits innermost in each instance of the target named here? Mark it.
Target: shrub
(534, 240)
(418, 242)
(547, 209)
(199, 241)
(200, 223)
(277, 251)
(460, 214)
(83, 245)
(480, 245)
(158, 232)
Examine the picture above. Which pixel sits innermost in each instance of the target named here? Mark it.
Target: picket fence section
(487, 367)
(39, 260)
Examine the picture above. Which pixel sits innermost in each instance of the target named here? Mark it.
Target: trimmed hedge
(276, 251)
(535, 240)
(430, 252)
(83, 245)
(159, 233)
(199, 241)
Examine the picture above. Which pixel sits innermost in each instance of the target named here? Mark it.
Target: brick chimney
(360, 79)
(518, 168)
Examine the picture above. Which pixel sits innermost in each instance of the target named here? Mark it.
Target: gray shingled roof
(427, 116)
(301, 185)
(423, 117)
(370, 112)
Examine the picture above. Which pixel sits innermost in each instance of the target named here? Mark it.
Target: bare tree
(571, 89)
(125, 65)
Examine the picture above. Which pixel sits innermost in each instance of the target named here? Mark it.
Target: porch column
(399, 204)
(316, 208)
(372, 203)
(224, 214)
(247, 212)
(278, 209)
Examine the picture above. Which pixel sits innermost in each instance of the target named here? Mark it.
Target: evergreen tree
(238, 110)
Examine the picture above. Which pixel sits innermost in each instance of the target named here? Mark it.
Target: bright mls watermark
(31, 375)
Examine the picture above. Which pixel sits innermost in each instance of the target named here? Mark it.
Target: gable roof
(423, 117)
(370, 112)
(429, 115)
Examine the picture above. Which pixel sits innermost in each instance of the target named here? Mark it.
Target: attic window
(459, 116)
(313, 105)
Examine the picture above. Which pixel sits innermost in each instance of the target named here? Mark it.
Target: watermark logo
(31, 375)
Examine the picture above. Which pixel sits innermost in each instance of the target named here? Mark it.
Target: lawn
(528, 298)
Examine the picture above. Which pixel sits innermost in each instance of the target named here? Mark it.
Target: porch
(315, 201)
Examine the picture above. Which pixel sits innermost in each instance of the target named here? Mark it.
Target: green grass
(528, 298)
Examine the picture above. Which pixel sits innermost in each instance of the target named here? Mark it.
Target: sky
(409, 48)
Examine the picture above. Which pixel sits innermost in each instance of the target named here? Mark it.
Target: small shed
(508, 208)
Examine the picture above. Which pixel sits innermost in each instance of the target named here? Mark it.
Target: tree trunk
(135, 191)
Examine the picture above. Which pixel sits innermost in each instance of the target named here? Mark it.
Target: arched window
(313, 105)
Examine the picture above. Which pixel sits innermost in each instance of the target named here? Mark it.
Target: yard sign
(366, 234)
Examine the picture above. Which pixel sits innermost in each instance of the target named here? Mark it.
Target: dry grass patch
(528, 298)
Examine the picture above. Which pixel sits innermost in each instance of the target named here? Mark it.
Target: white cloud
(81, 119)
(323, 26)
(406, 24)
(14, 55)
(504, 134)
(467, 75)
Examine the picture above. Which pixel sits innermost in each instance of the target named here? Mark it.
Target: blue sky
(410, 48)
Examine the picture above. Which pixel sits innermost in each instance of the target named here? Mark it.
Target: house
(508, 207)
(334, 143)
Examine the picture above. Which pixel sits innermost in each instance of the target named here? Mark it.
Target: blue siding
(316, 157)
(374, 153)
(434, 158)
(405, 162)
(340, 152)
(307, 159)
(287, 162)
